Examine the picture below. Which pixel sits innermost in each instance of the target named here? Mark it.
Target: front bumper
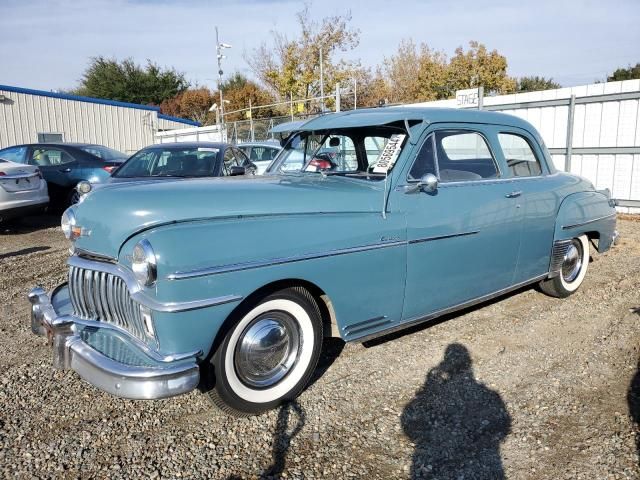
(107, 357)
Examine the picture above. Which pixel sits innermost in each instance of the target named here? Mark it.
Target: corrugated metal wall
(23, 116)
(605, 145)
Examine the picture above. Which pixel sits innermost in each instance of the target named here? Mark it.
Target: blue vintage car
(232, 283)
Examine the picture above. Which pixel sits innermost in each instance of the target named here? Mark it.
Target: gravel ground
(524, 387)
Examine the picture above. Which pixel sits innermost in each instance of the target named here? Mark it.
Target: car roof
(60, 144)
(387, 115)
(272, 144)
(218, 145)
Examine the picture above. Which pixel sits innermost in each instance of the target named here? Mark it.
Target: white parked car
(22, 190)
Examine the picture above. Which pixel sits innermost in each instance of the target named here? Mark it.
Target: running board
(360, 334)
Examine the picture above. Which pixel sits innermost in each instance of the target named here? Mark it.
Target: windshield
(105, 153)
(170, 162)
(363, 152)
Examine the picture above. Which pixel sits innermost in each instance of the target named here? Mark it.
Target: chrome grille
(104, 297)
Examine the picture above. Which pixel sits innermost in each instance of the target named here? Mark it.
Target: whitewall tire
(572, 272)
(268, 354)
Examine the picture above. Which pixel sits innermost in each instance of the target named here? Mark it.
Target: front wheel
(572, 272)
(269, 354)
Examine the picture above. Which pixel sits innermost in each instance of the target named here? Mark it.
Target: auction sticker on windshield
(389, 154)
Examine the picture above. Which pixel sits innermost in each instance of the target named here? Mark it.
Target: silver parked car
(261, 154)
(22, 190)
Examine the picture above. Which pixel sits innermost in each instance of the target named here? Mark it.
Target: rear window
(105, 153)
(170, 162)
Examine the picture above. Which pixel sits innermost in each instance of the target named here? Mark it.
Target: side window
(463, 155)
(45, 157)
(425, 161)
(520, 158)
(14, 154)
(229, 160)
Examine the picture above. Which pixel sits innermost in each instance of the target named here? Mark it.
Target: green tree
(127, 81)
(478, 67)
(534, 84)
(292, 67)
(629, 73)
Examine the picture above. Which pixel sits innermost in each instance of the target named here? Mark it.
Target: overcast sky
(47, 44)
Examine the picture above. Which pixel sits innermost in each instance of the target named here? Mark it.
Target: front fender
(590, 213)
(358, 259)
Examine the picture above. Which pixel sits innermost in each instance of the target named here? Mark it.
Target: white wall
(211, 133)
(597, 124)
(128, 129)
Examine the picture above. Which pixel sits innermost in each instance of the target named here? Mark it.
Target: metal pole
(291, 99)
(321, 81)
(253, 138)
(337, 97)
(355, 93)
(572, 111)
(219, 55)
(480, 98)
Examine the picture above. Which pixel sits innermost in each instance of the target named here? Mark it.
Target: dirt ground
(526, 387)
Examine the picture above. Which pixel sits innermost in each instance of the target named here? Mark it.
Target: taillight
(320, 164)
(109, 168)
(2, 174)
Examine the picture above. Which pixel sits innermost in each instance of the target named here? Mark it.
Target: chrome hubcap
(267, 349)
(572, 262)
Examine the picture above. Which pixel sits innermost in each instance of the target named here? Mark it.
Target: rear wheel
(572, 272)
(269, 354)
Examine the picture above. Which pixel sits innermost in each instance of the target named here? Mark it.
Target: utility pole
(219, 47)
(321, 81)
(355, 93)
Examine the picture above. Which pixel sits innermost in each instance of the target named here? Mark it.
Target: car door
(463, 238)
(229, 160)
(532, 180)
(55, 164)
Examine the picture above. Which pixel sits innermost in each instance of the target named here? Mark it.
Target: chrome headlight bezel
(67, 222)
(144, 264)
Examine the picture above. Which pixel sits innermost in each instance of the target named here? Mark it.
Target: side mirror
(428, 183)
(236, 170)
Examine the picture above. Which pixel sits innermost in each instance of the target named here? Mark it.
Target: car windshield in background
(105, 153)
(170, 162)
(368, 153)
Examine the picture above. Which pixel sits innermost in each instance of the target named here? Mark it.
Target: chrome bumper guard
(122, 368)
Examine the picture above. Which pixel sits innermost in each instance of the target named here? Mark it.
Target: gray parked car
(261, 154)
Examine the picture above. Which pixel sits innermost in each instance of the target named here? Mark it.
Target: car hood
(113, 213)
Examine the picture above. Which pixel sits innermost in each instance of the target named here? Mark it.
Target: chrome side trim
(138, 294)
(568, 227)
(97, 257)
(440, 237)
(557, 256)
(366, 325)
(236, 267)
(444, 311)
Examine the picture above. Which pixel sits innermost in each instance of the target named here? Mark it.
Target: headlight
(83, 187)
(67, 223)
(143, 263)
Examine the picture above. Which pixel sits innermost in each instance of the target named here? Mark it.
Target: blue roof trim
(179, 120)
(77, 98)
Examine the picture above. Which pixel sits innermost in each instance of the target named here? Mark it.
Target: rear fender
(587, 213)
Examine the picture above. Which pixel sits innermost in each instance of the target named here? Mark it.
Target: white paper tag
(390, 153)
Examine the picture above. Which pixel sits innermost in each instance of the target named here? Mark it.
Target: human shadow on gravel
(282, 437)
(633, 399)
(456, 422)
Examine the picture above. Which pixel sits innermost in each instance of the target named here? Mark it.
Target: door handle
(65, 170)
(514, 194)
